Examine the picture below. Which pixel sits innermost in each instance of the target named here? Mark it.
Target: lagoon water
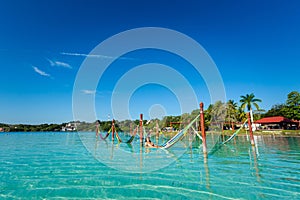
(77, 166)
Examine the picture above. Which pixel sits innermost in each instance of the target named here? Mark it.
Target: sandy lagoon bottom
(77, 166)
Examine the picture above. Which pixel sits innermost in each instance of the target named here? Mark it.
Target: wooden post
(130, 129)
(97, 128)
(203, 130)
(113, 130)
(141, 128)
(250, 129)
(189, 131)
(157, 133)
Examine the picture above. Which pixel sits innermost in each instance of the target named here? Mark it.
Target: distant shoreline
(279, 133)
(272, 133)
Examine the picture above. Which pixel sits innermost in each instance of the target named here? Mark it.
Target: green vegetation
(290, 109)
(31, 128)
(248, 101)
(232, 113)
(217, 116)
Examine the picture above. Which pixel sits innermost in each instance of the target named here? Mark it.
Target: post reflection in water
(206, 169)
(112, 150)
(191, 146)
(96, 147)
(141, 158)
(254, 154)
(141, 163)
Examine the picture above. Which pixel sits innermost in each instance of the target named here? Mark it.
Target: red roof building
(278, 122)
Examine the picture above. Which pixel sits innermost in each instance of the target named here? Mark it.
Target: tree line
(290, 109)
(31, 128)
(220, 113)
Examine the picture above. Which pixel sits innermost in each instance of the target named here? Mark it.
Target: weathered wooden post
(157, 133)
(250, 129)
(97, 128)
(130, 129)
(113, 130)
(203, 130)
(141, 128)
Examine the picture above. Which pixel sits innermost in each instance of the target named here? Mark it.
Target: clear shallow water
(59, 166)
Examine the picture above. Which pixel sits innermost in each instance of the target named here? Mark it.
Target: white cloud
(95, 56)
(88, 91)
(40, 72)
(59, 64)
(84, 55)
(62, 64)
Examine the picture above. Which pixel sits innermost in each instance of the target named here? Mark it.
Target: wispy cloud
(40, 72)
(85, 55)
(95, 56)
(59, 64)
(88, 91)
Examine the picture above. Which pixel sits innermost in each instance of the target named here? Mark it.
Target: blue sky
(254, 44)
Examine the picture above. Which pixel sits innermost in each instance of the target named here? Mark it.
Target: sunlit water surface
(77, 166)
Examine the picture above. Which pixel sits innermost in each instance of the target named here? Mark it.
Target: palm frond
(256, 105)
(256, 100)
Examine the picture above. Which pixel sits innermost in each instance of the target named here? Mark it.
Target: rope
(118, 137)
(219, 143)
(107, 134)
(200, 137)
(233, 135)
(179, 135)
(133, 136)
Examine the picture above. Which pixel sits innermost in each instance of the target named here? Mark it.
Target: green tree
(293, 99)
(258, 114)
(241, 115)
(292, 109)
(218, 114)
(276, 110)
(231, 114)
(247, 101)
(207, 116)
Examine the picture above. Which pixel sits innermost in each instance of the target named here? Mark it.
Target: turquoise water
(64, 166)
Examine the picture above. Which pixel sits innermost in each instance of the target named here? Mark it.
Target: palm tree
(248, 101)
(241, 115)
(231, 115)
(218, 113)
